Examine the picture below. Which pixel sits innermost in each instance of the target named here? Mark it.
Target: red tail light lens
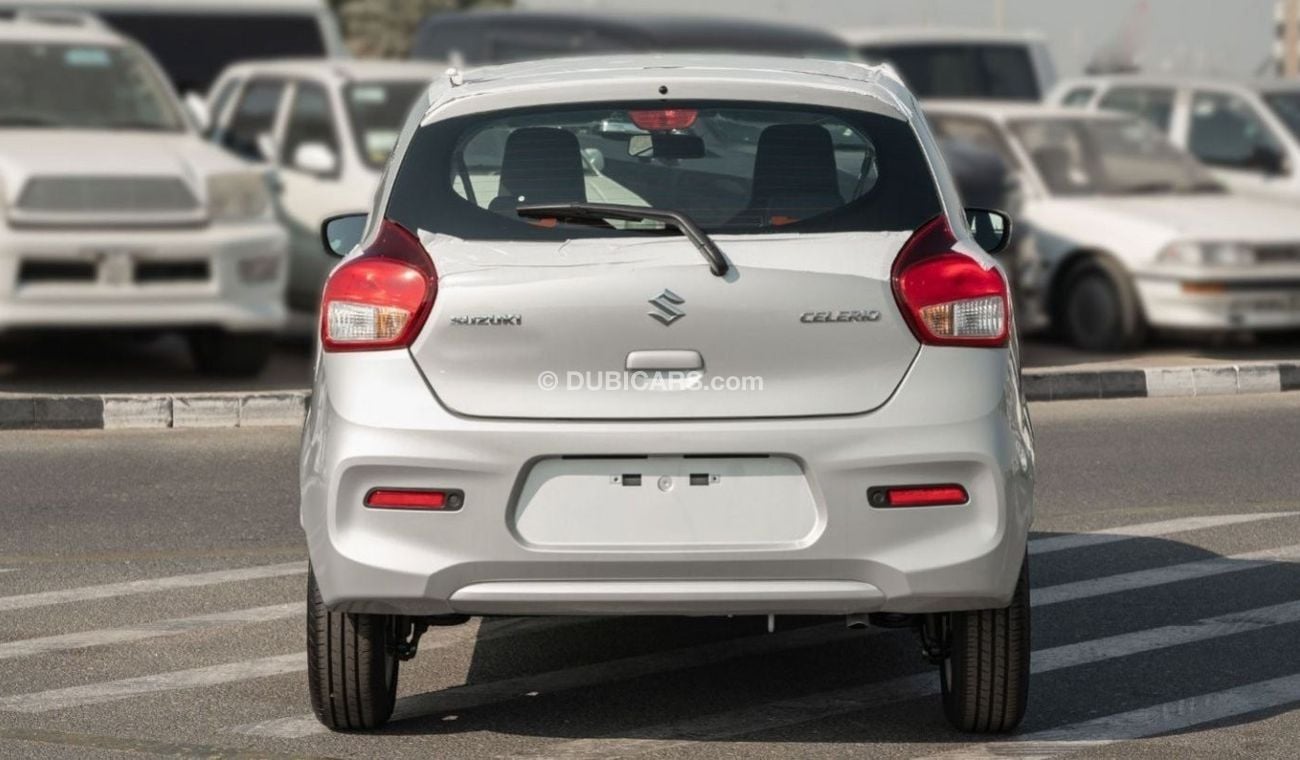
(917, 496)
(664, 119)
(949, 298)
(380, 299)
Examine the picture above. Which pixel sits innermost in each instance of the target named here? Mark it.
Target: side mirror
(1269, 160)
(340, 234)
(315, 158)
(265, 147)
(992, 229)
(198, 110)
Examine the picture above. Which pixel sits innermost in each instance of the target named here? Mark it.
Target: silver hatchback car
(668, 336)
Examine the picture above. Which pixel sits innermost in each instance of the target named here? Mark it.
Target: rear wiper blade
(703, 243)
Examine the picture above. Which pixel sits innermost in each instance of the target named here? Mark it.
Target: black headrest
(542, 165)
(794, 159)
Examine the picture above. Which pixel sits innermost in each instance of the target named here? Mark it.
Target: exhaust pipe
(856, 621)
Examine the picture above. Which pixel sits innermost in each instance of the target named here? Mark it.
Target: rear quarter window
(737, 168)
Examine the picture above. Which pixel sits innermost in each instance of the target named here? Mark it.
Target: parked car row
(309, 137)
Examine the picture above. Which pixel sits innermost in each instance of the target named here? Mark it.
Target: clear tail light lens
(948, 297)
(381, 298)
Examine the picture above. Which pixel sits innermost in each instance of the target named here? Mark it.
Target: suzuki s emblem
(667, 304)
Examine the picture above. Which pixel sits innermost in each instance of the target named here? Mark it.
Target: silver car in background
(785, 383)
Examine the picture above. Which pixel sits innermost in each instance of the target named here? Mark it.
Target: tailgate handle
(664, 360)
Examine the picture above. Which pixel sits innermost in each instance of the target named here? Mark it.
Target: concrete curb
(289, 408)
(116, 412)
(1161, 382)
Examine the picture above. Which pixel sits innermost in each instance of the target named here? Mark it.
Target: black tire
(985, 677)
(1099, 310)
(351, 669)
(227, 354)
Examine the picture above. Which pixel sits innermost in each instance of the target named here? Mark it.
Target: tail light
(949, 298)
(381, 298)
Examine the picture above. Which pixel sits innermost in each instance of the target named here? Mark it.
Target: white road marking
(1146, 530)
(77, 696)
(748, 720)
(1137, 724)
(477, 695)
(1137, 642)
(143, 631)
(149, 585)
(109, 691)
(1111, 584)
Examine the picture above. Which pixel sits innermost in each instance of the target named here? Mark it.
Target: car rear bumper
(228, 276)
(956, 418)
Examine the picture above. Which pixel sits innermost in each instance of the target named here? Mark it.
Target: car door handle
(664, 360)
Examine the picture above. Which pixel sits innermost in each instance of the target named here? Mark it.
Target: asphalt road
(151, 582)
(107, 363)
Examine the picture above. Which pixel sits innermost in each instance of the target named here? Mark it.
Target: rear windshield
(193, 48)
(732, 167)
(1003, 72)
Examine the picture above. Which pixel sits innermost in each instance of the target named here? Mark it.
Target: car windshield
(731, 167)
(1287, 107)
(377, 110)
(82, 87)
(1078, 157)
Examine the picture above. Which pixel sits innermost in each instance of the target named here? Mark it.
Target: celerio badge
(852, 315)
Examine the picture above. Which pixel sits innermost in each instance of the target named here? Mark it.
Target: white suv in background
(1248, 133)
(115, 213)
(327, 127)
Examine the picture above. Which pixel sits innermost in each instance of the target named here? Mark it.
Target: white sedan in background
(1128, 232)
(327, 127)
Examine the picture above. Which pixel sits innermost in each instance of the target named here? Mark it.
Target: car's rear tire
(351, 666)
(1100, 309)
(230, 354)
(985, 677)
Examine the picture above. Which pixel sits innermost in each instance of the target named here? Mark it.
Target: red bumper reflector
(917, 496)
(389, 498)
